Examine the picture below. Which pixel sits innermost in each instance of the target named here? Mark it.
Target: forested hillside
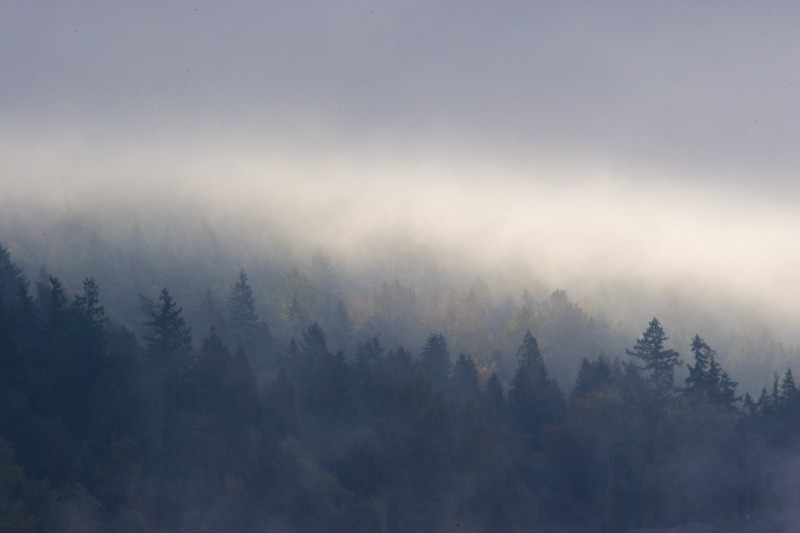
(266, 419)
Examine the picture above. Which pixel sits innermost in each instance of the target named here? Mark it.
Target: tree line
(103, 430)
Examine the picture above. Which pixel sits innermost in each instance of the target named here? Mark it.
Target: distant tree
(706, 378)
(534, 398)
(241, 306)
(789, 406)
(495, 398)
(170, 333)
(701, 382)
(788, 386)
(320, 375)
(90, 314)
(464, 382)
(368, 354)
(13, 286)
(248, 330)
(434, 361)
(51, 302)
(17, 324)
(593, 376)
(657, 359)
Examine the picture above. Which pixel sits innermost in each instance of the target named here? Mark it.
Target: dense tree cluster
(99, 431)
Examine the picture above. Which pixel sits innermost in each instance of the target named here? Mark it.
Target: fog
(391, 171)
(574, 225)
(629, 141)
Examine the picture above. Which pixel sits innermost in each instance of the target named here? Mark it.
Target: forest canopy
(247, 423)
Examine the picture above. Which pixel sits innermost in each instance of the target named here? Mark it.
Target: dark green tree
(434, 361)
(464, 383)
(658, 360)
(242, 308)
(495, 398)
(593, 376)
(534, 399)
(700, 383)
(170, 333)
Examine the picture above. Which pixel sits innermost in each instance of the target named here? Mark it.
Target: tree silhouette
(170, 333)
(434, 361)
(241, 306)
(659, 360)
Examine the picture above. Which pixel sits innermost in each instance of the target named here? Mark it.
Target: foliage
(97, 433)
(656, 358)
(170, 333)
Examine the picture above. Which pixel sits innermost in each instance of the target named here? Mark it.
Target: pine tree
(170, 333)
(434, 361)
(495, 399)
(657, 359)
(464, 383)
(534, 399)
(701, 382)
(89, 313)
(241, 306)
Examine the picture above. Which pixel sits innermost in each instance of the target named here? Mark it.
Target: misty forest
(166, 387)
(280, 266)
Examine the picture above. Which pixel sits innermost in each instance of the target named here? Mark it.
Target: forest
(312, 410)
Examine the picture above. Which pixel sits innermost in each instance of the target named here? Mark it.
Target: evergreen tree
(13, 286)
(724, 392)
(701, 381)
(17, 323)
(657, 359)
(434, 361)
(241, 306)
(593, 376)
(495, 399)
(788, 387)
(534, 398)
(368, 354)
(90, 314)
(464, 383)
(170, 333)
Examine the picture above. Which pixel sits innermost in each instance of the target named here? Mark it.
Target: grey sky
(709, 88)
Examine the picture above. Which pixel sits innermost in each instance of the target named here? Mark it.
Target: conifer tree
(657, 359)
(434, 361)
(464, 383)
(534, 398)
(241, 306)
(700, 382)
(170, 333)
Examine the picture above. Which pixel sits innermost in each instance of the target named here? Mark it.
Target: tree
(495, 399)
(434, 361)
(593, 376)
(534, 398)
(657, 359)
(464, 383)
(170, 333)
(90, 314)
(700, 382)
(241, 306)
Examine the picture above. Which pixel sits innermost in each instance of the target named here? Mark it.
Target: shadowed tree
(534, 398)
(248, 330)
(241, 306)
(170, 333)
(700, 383)
(16, 317)
(464, 382)
(707, 381)
(657, 359)
(495, 398)
(434, 361)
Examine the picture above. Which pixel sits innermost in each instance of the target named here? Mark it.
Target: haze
(639, 141)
